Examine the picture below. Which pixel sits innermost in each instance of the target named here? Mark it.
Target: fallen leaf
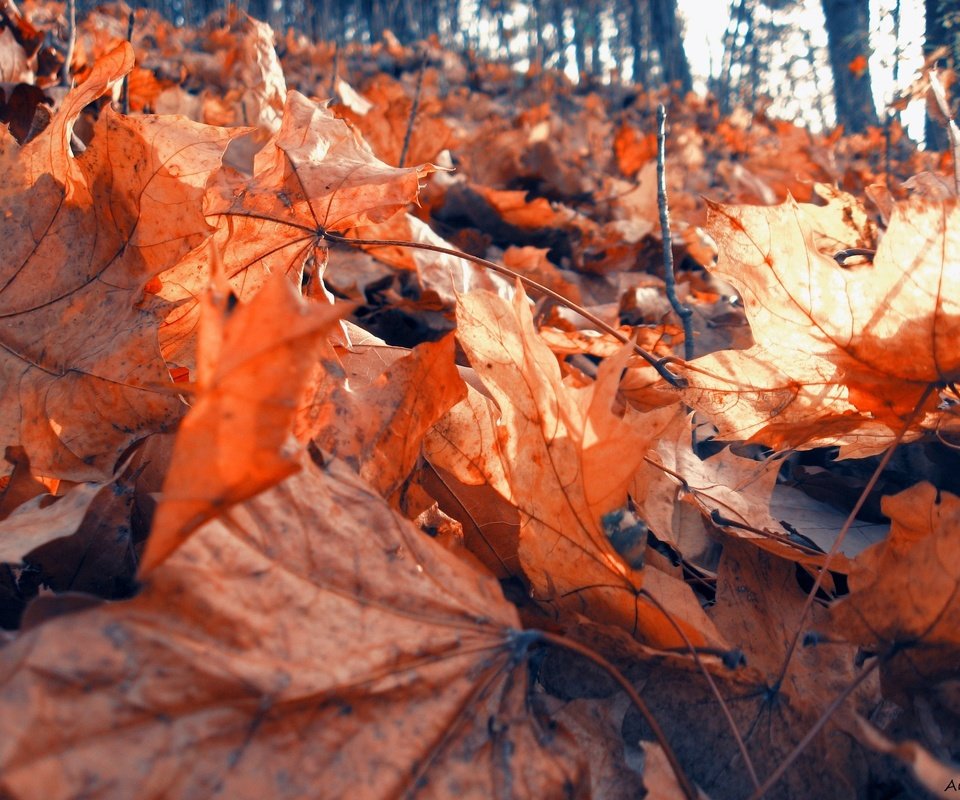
(759, 606)
(743, 496)
(307, 638)
(314, 175)
(843, 347)
(934, 775)
(236, 441)
(658, 777)
(83, 235)
(565, 458)
(378, 425)
(20, 485)
(905, 593)
(43, 520)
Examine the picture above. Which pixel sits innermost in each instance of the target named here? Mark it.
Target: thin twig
(336, 69)
(659, 364)
(413, 109)
(125, 88)
(811, 595)
(66, 76)
(794, 754)
(741, 745)
(689, 790)
(684, 312)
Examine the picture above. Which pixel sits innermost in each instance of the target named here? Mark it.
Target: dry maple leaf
(308, 641)
(382, 114)
(41, 520)
(759, 605)
(378, 425)
(83, 235)
(253, 365)
(905, 593)
(564, 458)
(840, 350)
(315, 174)
(21, 484)
(743, 496)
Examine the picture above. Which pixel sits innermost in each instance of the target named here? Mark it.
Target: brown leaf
(565, 458)
(21, 485)
(905, 591)
(933, 774)
(39, 521)
(743, 496)
(83, 236)
(315, 174)
(490, 525)
(252, 368)
(308, 638)
(846, 347)
(758, 608)
(377, 425)
(658, 777)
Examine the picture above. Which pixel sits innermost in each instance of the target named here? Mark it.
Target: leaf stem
(657, 363)
(557, 640)
(792, 756)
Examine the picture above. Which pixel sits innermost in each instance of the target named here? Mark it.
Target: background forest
(769, 47)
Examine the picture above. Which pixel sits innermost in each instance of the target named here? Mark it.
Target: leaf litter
(365, 562)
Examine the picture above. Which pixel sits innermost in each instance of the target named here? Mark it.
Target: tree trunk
(848, 38)
(942, 30)
(665, 33)
(637, 43)
(563, 60)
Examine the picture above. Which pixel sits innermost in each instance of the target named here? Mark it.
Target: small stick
(413, 109)
(684, 312)
(851, 517)
(65, 76)
(336, 68)
(125, 88)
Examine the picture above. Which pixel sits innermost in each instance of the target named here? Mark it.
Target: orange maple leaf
(842, 354)
(377, 422)
(905, 593)
(252, 366)
(83, 235)
(308, 640)
(315, 174)
(564, 458)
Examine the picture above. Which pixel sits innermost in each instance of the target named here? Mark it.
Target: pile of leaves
(302, 503)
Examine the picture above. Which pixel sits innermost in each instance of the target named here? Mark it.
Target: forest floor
(362, 442)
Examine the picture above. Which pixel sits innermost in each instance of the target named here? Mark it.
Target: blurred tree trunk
(637, 42)
(559, 24)
(942, 30)
(666, 35)
(848, 38)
